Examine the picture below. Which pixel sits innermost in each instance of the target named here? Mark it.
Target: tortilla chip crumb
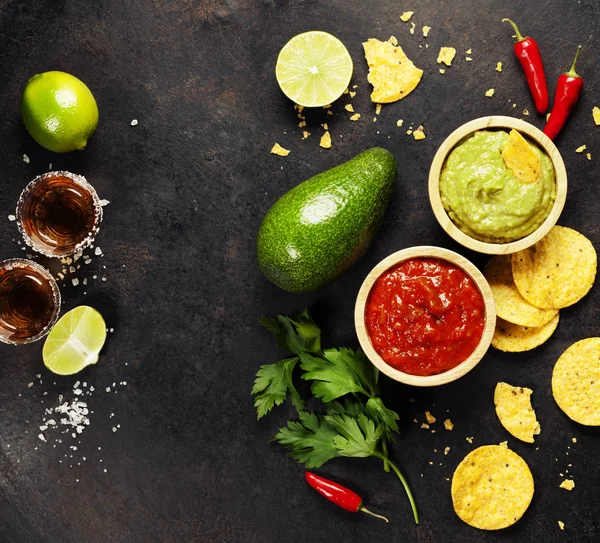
(442, 71)
(346, 91)
(448, 424)
(301, 124)
(393, 40)
(547, 117)
(567, 484)
(446, 450)
(279, 150)
(581, 149)
(352, 94)
(574, 440)
(499, 66)
(469, 51)
(305, 134)
(525, 112)
(405, 17)
(426, 30)
(374, 119)
(399, 122)
(325, 127)
(325, 140)
(596, 115)
(409, 131)
(355, 117)
(329, 112)
(446, 55)
(348, 107)
(489, 93)
(589, 156)
(419, 133)
(426, 426)
(430, 418)
(468, 59)
(561, 524)
(412, 400)
(469, 439)
(503, 444)
(377, 109)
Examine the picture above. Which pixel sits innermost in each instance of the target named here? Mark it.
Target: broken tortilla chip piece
(596, 115)
(391, 72)
(521, 159)
(446, 55)
(576, 382)
(557, 271)
(492, 488)
(279, 150)
(513, 338)
(405, 17)
(510, 305)
(567, 484)
(513, 407)
(325, 140)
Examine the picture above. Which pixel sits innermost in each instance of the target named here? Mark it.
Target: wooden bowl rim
(425, 251)
(462, 132)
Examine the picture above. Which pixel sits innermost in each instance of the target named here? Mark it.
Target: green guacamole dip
(485, 199)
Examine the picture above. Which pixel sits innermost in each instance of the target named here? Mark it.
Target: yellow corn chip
(446, 55)
(405, 17)
(567, 484)
(510, 305)
(576, 382)
(391, 72)
(520, 158)
(492, 488)
(279, 150)
(348, 107)
(355, 117)
(557, 271)
(513, 407)
(325, 140)
(513, 338)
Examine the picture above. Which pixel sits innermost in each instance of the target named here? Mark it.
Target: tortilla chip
(557, 271)
(279, 150)
(325, 140)
(492, 488)
(576, 382)
(446, 55)
(521, 159)
(391, 72)
(513, 338)
(510, 305)
(567, 484)
(513, 407)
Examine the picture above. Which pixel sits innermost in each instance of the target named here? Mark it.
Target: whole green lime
(59, 111)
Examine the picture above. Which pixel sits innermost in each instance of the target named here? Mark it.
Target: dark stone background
(188, 187)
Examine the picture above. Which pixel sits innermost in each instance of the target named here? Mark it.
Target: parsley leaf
(340, 372)
(358, 437)
(310, 441)
(381, 413)
(297, 333)
(272, 385)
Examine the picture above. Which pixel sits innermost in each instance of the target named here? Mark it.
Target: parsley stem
(384, 448)
(404, 484)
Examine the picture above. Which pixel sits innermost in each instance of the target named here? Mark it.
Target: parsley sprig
(360, 426)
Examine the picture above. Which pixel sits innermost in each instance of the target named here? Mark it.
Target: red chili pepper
(528, 53)
(568, 90)
(338, 494)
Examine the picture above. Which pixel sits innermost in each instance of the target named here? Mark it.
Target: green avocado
(321, 227)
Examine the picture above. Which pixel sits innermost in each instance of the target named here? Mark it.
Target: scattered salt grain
(26, 159)
(134, 122)
(75, 281)
(12, 218)
(97, 251)
(42, 437)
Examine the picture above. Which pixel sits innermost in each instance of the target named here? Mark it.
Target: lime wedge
(313, 69)
(75, 341)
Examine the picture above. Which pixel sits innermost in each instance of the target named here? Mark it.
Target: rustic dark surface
(188, 187)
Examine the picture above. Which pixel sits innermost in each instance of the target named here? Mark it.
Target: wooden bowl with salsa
(493, 195)
(425, 316)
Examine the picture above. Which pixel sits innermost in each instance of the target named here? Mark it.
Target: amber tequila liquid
(29, 301)
(59, 213)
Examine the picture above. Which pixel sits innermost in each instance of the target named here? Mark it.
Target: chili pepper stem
(515, 28)
(413, 505)
(572, 72)
(365, 510)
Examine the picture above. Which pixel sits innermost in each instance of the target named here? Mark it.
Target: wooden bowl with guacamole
(497, 185)
(425, 316)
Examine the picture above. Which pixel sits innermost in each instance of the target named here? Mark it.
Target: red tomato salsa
(425, 316)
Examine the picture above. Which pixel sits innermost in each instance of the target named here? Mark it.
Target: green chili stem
(572, 72)
(515, 28)
(404, 484)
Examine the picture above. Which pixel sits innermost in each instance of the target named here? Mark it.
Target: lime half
(313, 69)
(75, 341)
